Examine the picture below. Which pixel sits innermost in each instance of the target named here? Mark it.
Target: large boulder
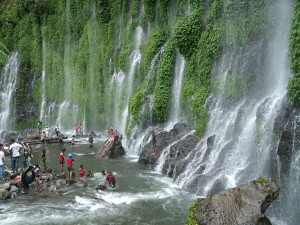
(164, 139)
(112, 151)
(4, 194)
(243, 205)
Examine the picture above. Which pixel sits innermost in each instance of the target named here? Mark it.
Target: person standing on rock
(40, 126)
(2, 162)
(70, 165)
(15, 149)
(153, 139)
(44, 159)
(62, 160)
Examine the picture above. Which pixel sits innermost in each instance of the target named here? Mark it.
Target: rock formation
(112, 151)
(243, 205)
(165, 139)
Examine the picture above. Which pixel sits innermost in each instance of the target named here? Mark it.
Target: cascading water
(44, 120)
(116, 91)
(67, 56)
(67, 114)
(7, 87)
(238, 145)
(135, 58)
(176, 90)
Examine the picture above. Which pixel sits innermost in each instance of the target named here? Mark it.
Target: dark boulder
(112, 151)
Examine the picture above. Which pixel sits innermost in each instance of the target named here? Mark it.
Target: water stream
(141, 196)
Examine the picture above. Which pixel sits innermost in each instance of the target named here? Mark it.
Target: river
(141, 196)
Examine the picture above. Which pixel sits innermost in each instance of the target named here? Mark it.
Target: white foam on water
(88, 204)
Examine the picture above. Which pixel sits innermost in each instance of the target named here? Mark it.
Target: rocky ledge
(112, 151)
(50, 183)
(243, 205)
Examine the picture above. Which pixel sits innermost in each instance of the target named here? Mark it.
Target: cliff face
(101, 58)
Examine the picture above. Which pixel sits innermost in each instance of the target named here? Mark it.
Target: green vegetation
(191, 220)
(294, 82)
(86, 41)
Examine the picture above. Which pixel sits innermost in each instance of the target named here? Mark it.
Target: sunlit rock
(242, 205)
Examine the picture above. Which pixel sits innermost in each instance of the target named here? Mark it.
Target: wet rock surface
(178, 139)
(112, 151)
(243, 205)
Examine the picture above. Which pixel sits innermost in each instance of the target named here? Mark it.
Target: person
(73, 140)
(47, 132)
(153, 139)
(110, 179)
(2, 162)
(27, 156)
(89, 174)
(40, 126)
(91, 140)
(57, 130)
(81, 129)
(81, 171)
(62, 160)
(120, 137)
(70, 165)
(37, 176)
(116, 138)
(76, 129)
(111, 139)
(43, 137)
(44, 159)
(103, 173)
(61, 139)
(15, 149)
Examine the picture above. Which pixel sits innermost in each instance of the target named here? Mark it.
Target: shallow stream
(141, 196)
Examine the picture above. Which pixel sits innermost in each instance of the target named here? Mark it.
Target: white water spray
(134, 62)
(7, 87)
(176, 90)
(43, 85)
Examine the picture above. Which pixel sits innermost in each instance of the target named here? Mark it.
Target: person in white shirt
(2, 162)
(15, 149)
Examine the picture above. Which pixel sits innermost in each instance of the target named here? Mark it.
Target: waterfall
(67, 56)
(238, 145)
(135, 58)
(7, 87)
(116, 92)
(176, 90)
(43, 85)
(67, 114)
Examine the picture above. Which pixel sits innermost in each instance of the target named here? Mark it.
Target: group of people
(16, 150)
(79, 129)
(113, 136)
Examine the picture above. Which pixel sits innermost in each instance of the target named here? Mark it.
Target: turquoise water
(141, 196)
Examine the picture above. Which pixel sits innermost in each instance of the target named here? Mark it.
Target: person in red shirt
(110, 179)
(70, 165)
(62, 160)
(81, 171)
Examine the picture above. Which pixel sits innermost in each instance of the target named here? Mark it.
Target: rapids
(141, 196)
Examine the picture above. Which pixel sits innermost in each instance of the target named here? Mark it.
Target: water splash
(7, 87)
